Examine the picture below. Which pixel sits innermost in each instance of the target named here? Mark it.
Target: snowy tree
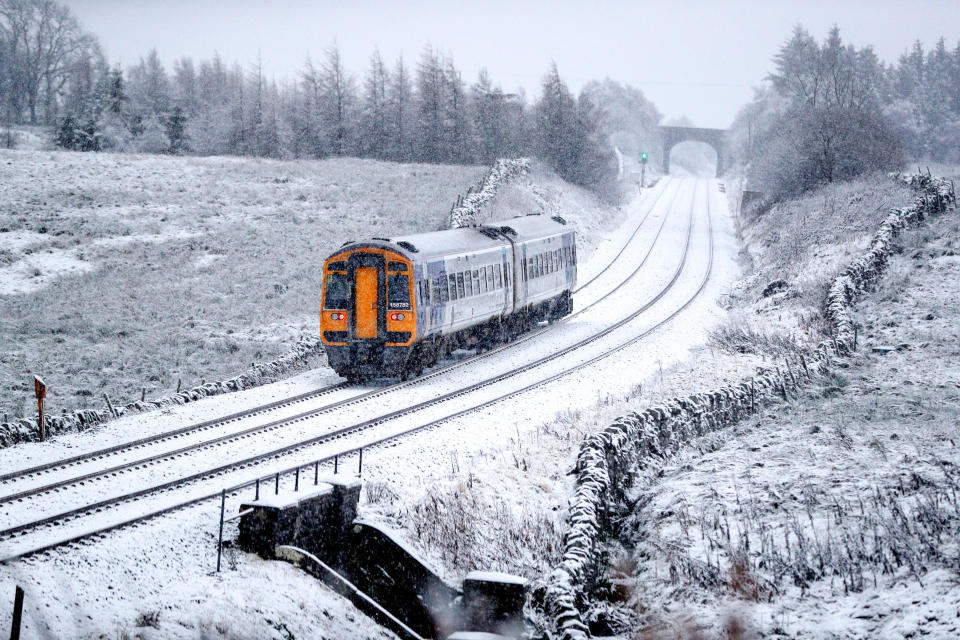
(400, 110)
(148, 87)
(430, 107)
(627, 119)
(455, 140)
(337, 100)
(556, 122)
(490, 126)
(375, 125)
(828, 122)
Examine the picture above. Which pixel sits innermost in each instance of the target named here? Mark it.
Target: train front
(368, 318)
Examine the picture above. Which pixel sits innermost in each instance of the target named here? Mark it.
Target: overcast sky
(697, 58)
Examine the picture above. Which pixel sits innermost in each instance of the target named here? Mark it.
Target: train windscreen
(337, 294)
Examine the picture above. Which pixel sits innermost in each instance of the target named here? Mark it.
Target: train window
(531, 268)
(490, 285)
(398, 291)
(460, 291)
(336, 294)
(337, 266)
(439, 286)
(484, 285)
(556, 259)
(498, 283)
(468, 285)
(396, 266)
(539, 265)
(476, 281)
(452, 283)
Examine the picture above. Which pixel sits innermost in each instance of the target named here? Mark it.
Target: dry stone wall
(25, 430)
(464, 212)
(609, 461)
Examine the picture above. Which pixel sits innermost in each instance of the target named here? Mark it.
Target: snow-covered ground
(125, 272)
(834, 514)
(477, 454)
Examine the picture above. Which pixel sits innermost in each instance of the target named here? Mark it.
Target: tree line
(830, 111)
(421, 113)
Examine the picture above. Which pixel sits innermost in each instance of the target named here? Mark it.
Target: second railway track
(20, 531)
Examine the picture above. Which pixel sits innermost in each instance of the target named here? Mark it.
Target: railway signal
(41, 390)
(643, 168)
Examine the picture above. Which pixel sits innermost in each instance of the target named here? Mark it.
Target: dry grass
(805, 241)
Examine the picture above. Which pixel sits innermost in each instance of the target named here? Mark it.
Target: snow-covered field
(120, 272)
(510, 468)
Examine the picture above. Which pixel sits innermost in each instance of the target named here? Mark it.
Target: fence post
(360, 464)
(257, 495)
(17, 614)
(276, 485)
(336, 460)
(41, 392)
(223, 502)
(296, 481)
(316, 472)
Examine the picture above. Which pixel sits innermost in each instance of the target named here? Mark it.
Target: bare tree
(43, 41)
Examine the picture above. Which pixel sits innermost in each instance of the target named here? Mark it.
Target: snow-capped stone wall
(464, 211)
(25, 430)
(610, 461)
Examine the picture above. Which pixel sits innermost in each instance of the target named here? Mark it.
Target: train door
(368, 318)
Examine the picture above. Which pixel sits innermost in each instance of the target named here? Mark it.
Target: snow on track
(581, 387)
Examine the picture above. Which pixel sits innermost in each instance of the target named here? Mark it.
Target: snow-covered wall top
(464, 212)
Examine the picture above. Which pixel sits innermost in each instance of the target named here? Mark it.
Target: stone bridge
(673, 136)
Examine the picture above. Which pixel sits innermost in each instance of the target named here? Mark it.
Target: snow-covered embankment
(610, 461)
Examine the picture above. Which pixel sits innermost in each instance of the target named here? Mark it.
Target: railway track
(185, 432)
(343, 432)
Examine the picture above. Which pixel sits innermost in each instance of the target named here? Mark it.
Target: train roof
(490, 235)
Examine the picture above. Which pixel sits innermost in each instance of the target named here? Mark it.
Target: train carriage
(393, 306)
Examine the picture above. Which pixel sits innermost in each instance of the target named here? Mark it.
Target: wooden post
(790, 370)
(41, 391)
(223, 504)
(113, 411)
(17, 614)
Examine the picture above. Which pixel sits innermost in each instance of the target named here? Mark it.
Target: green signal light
(643, 157)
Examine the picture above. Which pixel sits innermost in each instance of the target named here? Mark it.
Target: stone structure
(673, 136)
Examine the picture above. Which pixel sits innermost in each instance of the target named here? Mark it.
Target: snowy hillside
(125, 271)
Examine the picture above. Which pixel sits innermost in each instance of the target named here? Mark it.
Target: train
(392, 306)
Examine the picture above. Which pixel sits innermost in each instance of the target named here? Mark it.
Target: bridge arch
(672, 136)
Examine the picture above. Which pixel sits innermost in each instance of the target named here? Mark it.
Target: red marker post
(41, 391)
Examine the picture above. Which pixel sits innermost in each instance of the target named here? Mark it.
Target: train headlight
(396, 316)
(338, 316)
